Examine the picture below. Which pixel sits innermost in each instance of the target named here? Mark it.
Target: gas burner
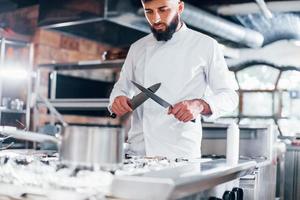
(80, 168)
(60, 166)
(47, 173)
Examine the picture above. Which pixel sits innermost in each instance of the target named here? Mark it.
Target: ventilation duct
(220, 27)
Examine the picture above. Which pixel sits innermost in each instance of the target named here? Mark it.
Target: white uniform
(185, 66)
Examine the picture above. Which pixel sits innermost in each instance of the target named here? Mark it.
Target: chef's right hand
(121, 105)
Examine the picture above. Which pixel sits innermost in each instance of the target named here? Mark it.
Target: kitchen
(63, 134)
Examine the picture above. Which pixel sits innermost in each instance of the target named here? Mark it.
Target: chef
(186, 63)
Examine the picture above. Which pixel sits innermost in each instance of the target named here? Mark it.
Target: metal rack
(29, 63)
(88, 104)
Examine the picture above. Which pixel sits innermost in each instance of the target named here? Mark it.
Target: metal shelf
(5, 110)
(79, 104)
(88, 64)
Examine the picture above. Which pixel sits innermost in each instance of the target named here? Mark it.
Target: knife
(140, 98)
(154, 97)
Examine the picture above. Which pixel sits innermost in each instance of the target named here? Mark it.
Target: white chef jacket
(185, 66)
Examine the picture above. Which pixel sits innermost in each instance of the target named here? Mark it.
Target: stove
(42, 170)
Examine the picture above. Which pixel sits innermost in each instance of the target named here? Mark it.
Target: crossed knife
(145, 94)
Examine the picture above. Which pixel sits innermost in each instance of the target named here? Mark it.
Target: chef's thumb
(170, 110)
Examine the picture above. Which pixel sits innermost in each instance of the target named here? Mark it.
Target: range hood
(97, 20)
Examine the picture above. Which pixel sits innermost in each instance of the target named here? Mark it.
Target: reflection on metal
(132, 21)
(239, 66)
(250, 8)
(179, 182)
(84, 65)
(264, 9)
(78, 104)
(221, 27)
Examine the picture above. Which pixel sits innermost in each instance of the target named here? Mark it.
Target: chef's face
(163, 17)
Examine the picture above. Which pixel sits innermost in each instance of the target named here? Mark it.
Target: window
(289, 80)
(257, 104)
(258, 77)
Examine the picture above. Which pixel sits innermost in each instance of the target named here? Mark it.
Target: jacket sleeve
(123, 86)
(224, 98)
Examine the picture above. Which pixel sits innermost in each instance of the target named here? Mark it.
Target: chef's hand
(121, 105)
(188, 110)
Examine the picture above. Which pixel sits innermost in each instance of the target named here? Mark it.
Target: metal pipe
(251, 8)
(53, 110)
(221, 27)
(264, 9)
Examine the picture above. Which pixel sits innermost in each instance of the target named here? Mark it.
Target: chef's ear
(180, 7)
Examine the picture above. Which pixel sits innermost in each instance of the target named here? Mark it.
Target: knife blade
(140, 98)
(154, 97)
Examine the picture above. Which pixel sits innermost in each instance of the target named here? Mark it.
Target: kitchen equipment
(16, 104)
(154, 97)
(232, 144)
(140, 98)
(97, 146)
(228, 195)
(239, 193)
(6, 102)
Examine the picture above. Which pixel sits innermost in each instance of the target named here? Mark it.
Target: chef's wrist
(206, 108)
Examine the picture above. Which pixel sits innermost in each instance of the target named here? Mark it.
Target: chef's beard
(168, 33)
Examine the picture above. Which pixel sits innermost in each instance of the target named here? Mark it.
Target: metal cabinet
(292, 173)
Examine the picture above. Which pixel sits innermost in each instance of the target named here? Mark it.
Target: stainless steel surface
(179, 182)
(159, 179)
(89, 64)
(142, 97)
(85, 104)
(153, 96)
(292, 175)
(28, 136)
(92, 146)
(255, 141)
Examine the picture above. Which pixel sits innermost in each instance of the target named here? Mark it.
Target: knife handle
(193, 120)
(113, 115)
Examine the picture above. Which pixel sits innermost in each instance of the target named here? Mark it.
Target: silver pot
(92, 146)
(97, 146)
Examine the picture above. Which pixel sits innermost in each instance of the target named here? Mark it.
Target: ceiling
(10, 5)
(281, 25)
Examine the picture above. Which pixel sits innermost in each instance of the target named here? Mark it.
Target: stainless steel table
(179, 182)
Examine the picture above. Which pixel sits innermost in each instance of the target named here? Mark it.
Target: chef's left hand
(187, 110)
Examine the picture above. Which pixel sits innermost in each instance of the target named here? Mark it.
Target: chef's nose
(156, 17)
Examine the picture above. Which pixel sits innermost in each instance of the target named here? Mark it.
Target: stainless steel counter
(179, 182)
(156, 180)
